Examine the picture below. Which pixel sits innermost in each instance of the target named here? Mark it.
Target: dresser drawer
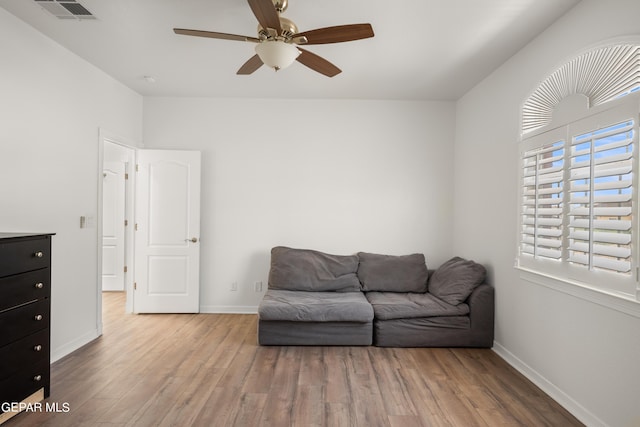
(25, 382)
(24, 255)
(24, 320)
(31, 350)
(25, 287)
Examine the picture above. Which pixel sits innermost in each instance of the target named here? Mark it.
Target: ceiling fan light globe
(277, 54)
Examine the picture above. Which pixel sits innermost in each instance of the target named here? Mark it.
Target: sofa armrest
(481, 314)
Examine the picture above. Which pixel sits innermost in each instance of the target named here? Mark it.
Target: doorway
(116, 197)
(162, 235)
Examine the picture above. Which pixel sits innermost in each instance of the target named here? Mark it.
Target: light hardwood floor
(206, 370)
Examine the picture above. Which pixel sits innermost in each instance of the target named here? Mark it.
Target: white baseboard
(566, 401)
(68, 348)
(228, 309)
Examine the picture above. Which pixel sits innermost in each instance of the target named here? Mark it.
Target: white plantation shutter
(542, 201)
(601, 193)
(579, 207)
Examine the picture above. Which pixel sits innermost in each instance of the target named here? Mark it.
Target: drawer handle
(37, 317)
(39, 285)
(37, 378)
(37, 348)
(38, 254)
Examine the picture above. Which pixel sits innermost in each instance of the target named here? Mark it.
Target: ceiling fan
(278, 40)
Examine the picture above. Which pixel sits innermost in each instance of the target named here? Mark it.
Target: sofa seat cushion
(308, 270)
(393, 305)
(302, 306)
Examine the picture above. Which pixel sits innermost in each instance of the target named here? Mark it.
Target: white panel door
(167, 248)
(113, 215)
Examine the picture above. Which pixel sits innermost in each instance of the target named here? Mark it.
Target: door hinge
(126, 222)
(125, 268)
(126, 175)
(135, 286)
(137, 167)
(135, 227)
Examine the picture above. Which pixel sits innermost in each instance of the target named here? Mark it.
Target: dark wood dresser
(25, 307)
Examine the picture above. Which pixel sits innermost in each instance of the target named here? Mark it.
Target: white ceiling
(422, 49)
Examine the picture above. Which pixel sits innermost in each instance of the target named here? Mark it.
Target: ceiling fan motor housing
(289, 28)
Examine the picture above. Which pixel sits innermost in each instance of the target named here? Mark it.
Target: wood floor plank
(405, 421)
(425, 400)
(366, 396)
(337, 382)
(261, 373)
(279, 408)
(396, 399)
(207, 370)
(250, 409)
(190, 402)
(312, 367)
(219, 407)
(339, 415)
(308, 406)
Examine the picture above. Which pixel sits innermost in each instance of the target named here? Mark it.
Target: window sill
(615, 301)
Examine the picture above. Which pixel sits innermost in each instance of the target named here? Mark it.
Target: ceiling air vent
(65, 9)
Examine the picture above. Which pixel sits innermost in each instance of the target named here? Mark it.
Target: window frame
(608, 282)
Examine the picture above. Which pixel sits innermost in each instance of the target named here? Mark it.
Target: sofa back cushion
(390, 273)
(307, 270)
(454, 280)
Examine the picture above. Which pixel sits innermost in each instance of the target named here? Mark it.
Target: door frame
(107, 137)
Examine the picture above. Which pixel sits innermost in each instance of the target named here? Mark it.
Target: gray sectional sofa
(314, 298)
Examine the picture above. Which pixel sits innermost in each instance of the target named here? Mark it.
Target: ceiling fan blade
(266, 14)
(250, 66)
(214, 35)
(317, 63)
(337, 34)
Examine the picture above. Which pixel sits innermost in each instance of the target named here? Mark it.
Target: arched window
(600, 75)
(579, 171)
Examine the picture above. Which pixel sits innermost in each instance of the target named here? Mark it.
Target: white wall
(584, 354)
(335, 176)
(52, 105)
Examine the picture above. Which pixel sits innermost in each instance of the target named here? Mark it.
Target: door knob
(193, 240)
